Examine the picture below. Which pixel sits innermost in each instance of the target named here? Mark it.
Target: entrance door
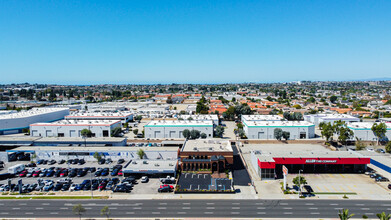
(303, 135)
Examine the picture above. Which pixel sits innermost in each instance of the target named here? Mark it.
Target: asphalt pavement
(193, 208)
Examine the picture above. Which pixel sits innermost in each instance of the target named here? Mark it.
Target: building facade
(73, 128)
(363, 131)
(173, 129)
(330, 118)
(265, 129)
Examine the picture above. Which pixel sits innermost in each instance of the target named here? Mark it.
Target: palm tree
(383, 216)
(344, 214)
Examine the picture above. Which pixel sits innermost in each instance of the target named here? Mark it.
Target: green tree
(97, 156)
(321, 124)
(203, 135)
(219, 131)
(186, 133)
(344, 214)
(141, 153)
(286, 135)
(229, 114)
(278, 133)
(333, 99)
(78, 210)
(296, 182)
(383, 216)
(194, 134)
(135, 131)
(105, 211)
(359, 145)
(85, 133)
(327, 131)
(379, 130)
(345, 134)
(388, 147)
(116, 132)
(138, 118)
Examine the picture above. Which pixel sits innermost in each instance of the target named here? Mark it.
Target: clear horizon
(187, 42)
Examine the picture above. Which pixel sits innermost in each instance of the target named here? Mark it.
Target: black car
(114, 172)
(98, 173)
(51, 162)
(57, 173)
(389, 186)
(164, 189)
(121, 188)
(58, 187)
(105, 172)
(87, 187)
(70, 161)
(115, 180)
(39, 162)
(109, 161)
(92, 169)
(381, 179)
(75, 161)
(61, 161)
(95, 186)
(120, 161)
(101, 161)
(81, 162)
(66, 187)
(81, 173)
(31, 165)
(73, 173)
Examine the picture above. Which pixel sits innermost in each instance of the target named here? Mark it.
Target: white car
(370, 149)
(73, 186)
(144, 179)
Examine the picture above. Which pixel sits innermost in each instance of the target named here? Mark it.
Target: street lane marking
(186, 208)
(261, 207)
(16, 208)
(29, 213)
(22, 203)
(235, 213)
(156, 213)
(38, 208)
(283, 203)
(287, 208)
(313, 208)
(136, 207)
(333, 204)
(235, 203)
(309, 204)
(54, 213)
(385, 204)
(210, 207)
(359, 204)
(369, 214)
(186, 203)
(113, 207)
(115, 204)
(259, 203)
(261, 213)
(364, 208)
(162, 208)
(181, 213)
(208, 212)
(45, 203)
(130, 213)
(4, 213)
(88, 208)
(315, 213)
(288, 213)
(163, 203)
(64, 208)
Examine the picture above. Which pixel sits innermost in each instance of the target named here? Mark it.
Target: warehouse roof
(262, 117)
(200, 117)
(68, 122)
(98, 115)
(278, 124)
(364, 125)
(207, 145)
(184, 123)
(31, 112)
(334, 116)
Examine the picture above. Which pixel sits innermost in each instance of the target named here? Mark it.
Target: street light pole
(92, 193)
(300, 183)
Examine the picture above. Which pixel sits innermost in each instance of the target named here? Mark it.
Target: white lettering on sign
(321, 161)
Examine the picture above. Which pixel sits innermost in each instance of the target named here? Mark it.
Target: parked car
(51, 162)
(389, 186)
(381, 179)
(57, 187)
(23, 173)
(81, 162)
(105, 172)
(66, 187)
(164, 189)
(101, 161)
(381, 151)
(48, 186)
(144, 179)
(109, 161)
(61, 161)
(171, 186)
(72, 187)
(120, 161)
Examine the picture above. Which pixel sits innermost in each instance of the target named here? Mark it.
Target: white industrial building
(246, 118)
(72, 128)
(122, 116)
(265, 129)
(363, 131)
(174, 129)
(214, 118)
(15, 122)
(326, 118)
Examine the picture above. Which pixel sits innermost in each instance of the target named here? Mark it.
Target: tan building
(201, 154)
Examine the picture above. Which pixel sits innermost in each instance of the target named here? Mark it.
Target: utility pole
(92, 193)
(300, 183)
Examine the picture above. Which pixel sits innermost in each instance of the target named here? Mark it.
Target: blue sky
(158, 41)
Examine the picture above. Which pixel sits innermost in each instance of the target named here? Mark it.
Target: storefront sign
(320, 161)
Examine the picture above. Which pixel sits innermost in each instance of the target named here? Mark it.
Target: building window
(105, 133)
(60, 134)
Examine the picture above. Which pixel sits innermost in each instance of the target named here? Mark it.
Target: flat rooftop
(278, 124)
(262, 117)
(73, 122)
(207, 146)
(174, 123)
(365, 125)
(266, 153)
(98, 115)
(151, 166)
(199, 117)
(96, 149)
(334, 116)
(31, 112)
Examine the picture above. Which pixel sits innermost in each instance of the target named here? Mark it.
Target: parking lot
(150, 187)
(361, 184)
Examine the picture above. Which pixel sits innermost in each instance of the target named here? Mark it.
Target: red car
(36, 173)
(23, 173)
(120, 173)
(64, 173)
(102, 186)
(171, 186)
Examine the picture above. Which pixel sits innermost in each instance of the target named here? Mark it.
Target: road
(193, 208)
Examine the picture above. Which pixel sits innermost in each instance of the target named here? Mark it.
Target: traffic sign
(284, 170)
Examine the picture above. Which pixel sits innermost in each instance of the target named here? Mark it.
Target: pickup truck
(168, 180)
